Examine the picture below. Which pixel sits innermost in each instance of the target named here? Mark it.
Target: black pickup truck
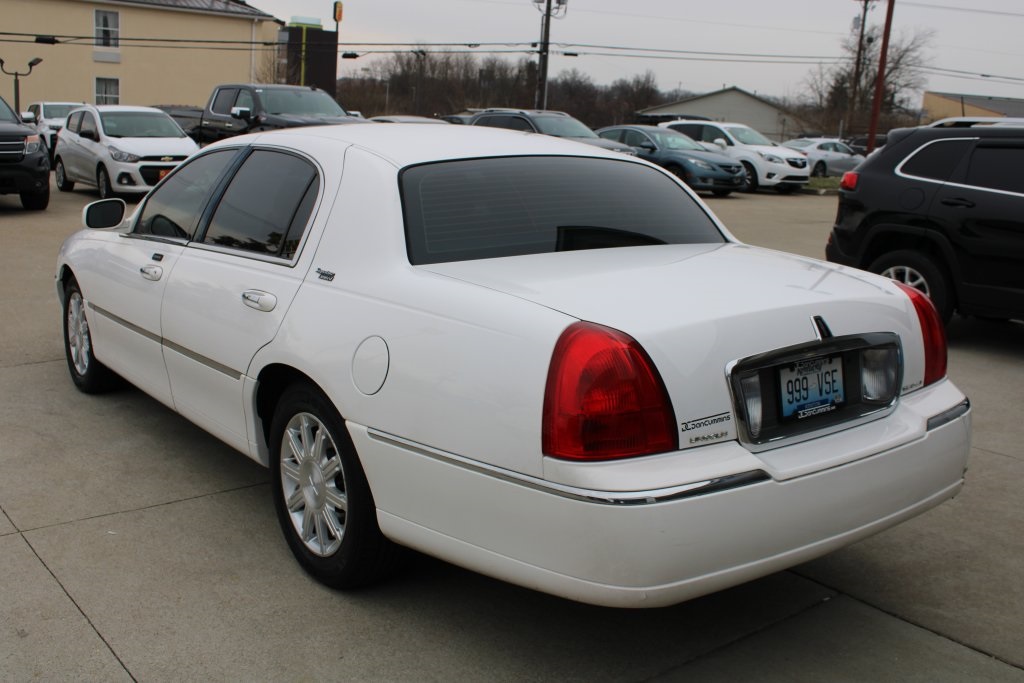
(236, 108)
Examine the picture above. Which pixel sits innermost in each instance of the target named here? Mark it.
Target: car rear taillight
(932, 332)
(604, 398)
(849, 181)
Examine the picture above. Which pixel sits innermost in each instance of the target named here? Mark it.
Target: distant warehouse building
(734, 105)
(942, 105)
(138, 52)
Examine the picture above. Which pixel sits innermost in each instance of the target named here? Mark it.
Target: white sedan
(826, 156)
(533, 358)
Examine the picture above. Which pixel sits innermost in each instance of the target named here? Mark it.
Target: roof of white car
(405, 144)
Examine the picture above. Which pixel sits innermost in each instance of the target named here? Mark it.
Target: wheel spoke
(296, 501)
(333, 467)
(307, 527)
(296, 446)
(290, 469)
(332, 525)
(321, 531)
(337, 500)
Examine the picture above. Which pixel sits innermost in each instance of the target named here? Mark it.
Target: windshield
(563, 127)
(300, 103)
(7, 114)
(139, 124)
(57, 111)
(671, 139)
(511, 206)
(749, 136)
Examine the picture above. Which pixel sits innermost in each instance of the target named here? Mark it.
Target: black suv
(549, 122)
(941, 209)
(24, 161)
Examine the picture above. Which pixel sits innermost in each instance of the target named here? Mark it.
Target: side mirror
(721, 143)
(106, 213)
(89, 135)
(28, 117)
(243, 113)
(647, 146)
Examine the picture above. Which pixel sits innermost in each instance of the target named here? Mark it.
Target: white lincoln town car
(540, 360)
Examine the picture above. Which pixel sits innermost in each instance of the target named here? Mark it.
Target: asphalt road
(135, 547)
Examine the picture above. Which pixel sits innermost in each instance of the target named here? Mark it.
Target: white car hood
(697, 308)
(148, 147)
(783, 152)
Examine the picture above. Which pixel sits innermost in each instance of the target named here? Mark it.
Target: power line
(969, 10)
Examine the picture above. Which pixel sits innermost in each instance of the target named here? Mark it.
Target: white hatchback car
(118, 149)
(767, 164)
(537, 359)
(826, 156)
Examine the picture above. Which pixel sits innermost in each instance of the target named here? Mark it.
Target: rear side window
(997, 167)
(267, 205)
(490, 208)
(936, 160)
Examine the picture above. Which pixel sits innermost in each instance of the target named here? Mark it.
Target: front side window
(224, 100)
(174, 208)
(75, 121)
(108, 91)
(267, 205)
(108, 28)
(510, 206)
(88, 124)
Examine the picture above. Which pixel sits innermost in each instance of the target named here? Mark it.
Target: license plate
(162, 172)
(811, 387)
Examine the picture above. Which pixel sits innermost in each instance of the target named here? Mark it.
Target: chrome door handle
(261, 301)
(151, 272)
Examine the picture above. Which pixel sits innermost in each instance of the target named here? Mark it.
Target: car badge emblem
(325, 274)
(166, 158)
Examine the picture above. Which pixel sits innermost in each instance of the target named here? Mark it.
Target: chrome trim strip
(620, 498)
(124, 323)
(233, 374)
(203, 360)
(948, 416)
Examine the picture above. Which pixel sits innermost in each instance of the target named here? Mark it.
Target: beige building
(93, 50)
(734, 105)
(942, 105)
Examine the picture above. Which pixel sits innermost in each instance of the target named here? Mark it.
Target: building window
(108, 28)
(108, 91)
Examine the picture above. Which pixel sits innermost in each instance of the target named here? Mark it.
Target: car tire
(819, 170)
(919, 271)
(37, 201)
(323, 501)
(60, 174)
(88, 374)
(751, 183)
(103, 183)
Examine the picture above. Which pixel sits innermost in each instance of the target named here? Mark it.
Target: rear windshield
(510, 206)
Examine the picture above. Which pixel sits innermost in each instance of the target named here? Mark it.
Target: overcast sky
(979, 37)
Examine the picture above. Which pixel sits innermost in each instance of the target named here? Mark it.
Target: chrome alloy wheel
(908, 276)
(313, 484)
(79, 343)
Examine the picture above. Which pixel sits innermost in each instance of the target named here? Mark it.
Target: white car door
(127, 285)
(231, 288)
(87, 150)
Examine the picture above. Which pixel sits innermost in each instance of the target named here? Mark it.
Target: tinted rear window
(490, 208)
(936, 160)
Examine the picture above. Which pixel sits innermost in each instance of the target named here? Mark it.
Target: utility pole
(876, 105)
(852, 108)
(541, 99)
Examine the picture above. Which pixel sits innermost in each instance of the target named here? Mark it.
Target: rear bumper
(654, 550)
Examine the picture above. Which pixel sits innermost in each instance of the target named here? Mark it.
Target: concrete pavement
(133, 546)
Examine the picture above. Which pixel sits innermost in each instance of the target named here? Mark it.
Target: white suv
(118, 149)
(768, 164)
(50, 118)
